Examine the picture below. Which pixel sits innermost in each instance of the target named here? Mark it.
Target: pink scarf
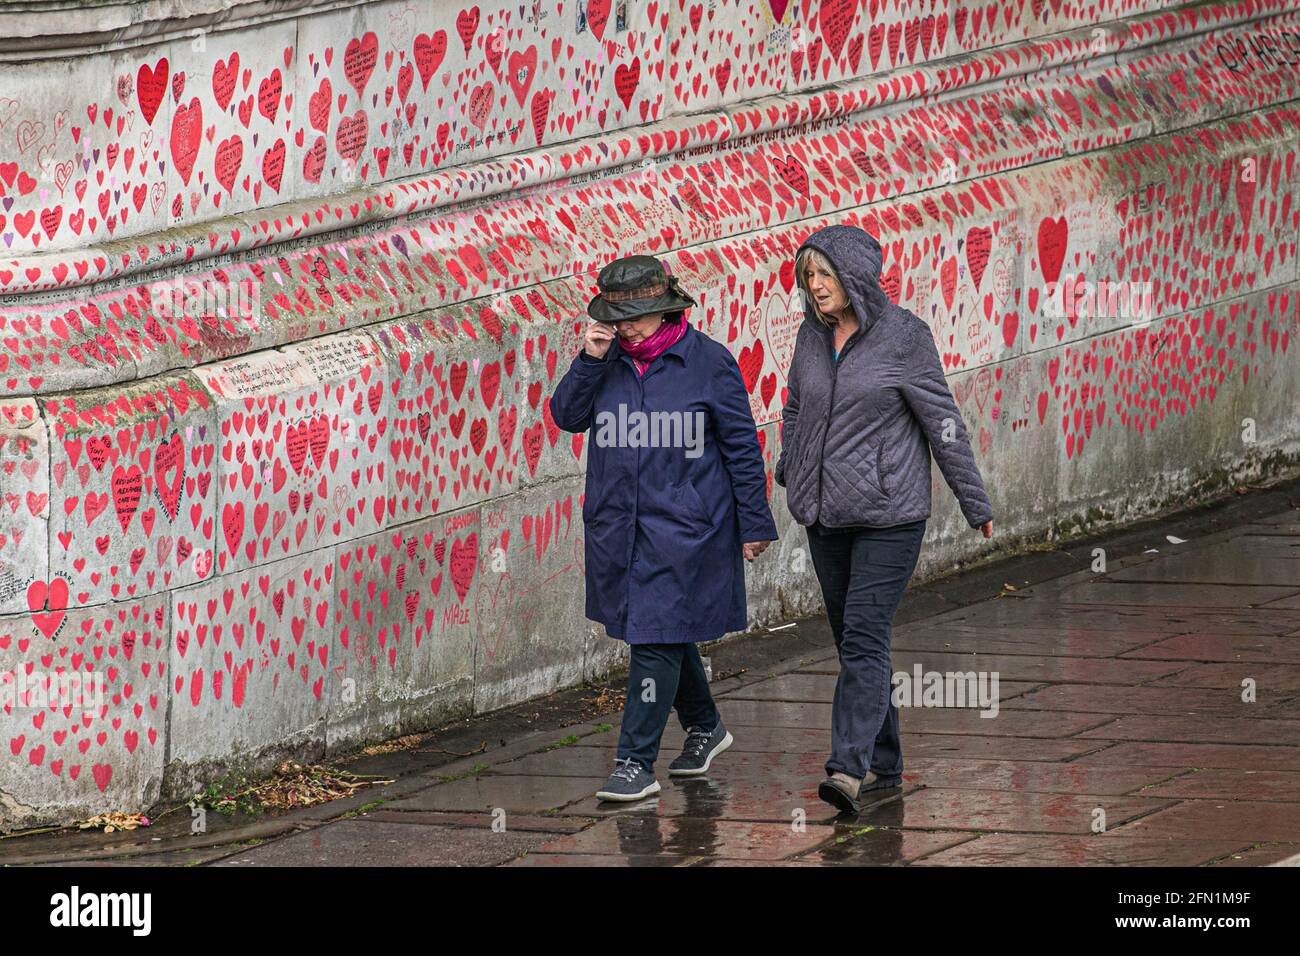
(649, 349)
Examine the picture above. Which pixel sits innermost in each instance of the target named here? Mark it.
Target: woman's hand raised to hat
(599, 337)
(753, 549)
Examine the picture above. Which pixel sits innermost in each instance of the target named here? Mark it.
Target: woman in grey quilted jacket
(868, 404)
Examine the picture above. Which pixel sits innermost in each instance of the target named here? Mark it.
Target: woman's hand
(598, 339)
(753, 549)
(987, 528)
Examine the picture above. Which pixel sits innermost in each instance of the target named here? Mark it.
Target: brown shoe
(841, 791)
(872, 782)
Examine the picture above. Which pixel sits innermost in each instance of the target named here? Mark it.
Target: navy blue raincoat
(665, 526)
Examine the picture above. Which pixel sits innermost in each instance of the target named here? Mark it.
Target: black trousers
(863, 572)
(662, 677)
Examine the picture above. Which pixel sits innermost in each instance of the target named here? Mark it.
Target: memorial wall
(285, 288)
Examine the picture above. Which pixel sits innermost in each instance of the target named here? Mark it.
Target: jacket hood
(857, 259)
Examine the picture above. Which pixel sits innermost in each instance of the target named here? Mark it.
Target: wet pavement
(1123, 735)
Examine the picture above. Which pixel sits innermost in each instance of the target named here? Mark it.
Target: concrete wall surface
(285, 288)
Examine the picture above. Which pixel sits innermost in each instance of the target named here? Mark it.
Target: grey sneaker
(700, 749)
(629, 781)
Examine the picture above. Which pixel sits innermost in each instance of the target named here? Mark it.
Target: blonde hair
(807, 257)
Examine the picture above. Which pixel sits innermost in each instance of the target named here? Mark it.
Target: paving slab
(1047, 613)
(984, 810)
(124, 847)
(1222, 647)
(743, 713)
(763, 789)
(942, 720)
(1031, 611)
(1266, 854)
(369, 843)
(1241, 821)
(1191, 756)
(728, 862)
(195, 857)
(1090, 699)
(1261, 620)
(1239, 730)
(960, 773)
(565, 762)
(787, 740)
(1036, 641)
(884, 847)
(789, 687)
(1028, 668)
(763, 739)
(1286, 521)
(652, 835)
(998, 748)
(949, 720)
(515, 821)
(820, 688)
(1004, 849)
(1282, 678)
(721, 799)
(1277, 786)
(596, 859)
(1259, 561)
(487, 793)
(1112, 593)
(1284, 539)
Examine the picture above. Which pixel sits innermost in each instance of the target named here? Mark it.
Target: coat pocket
(881, 477)
(787, 459)
(802, 449)
(596, 495)
(692, 506)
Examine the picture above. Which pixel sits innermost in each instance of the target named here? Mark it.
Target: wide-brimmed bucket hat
(635, 286)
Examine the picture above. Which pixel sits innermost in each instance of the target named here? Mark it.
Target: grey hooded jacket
(858, 433)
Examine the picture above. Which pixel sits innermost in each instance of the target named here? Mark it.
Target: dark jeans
(862, 572)
(679, 682)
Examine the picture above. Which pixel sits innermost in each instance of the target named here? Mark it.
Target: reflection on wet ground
(1146, 716)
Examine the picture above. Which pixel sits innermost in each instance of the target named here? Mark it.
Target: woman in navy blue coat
(676, 501)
